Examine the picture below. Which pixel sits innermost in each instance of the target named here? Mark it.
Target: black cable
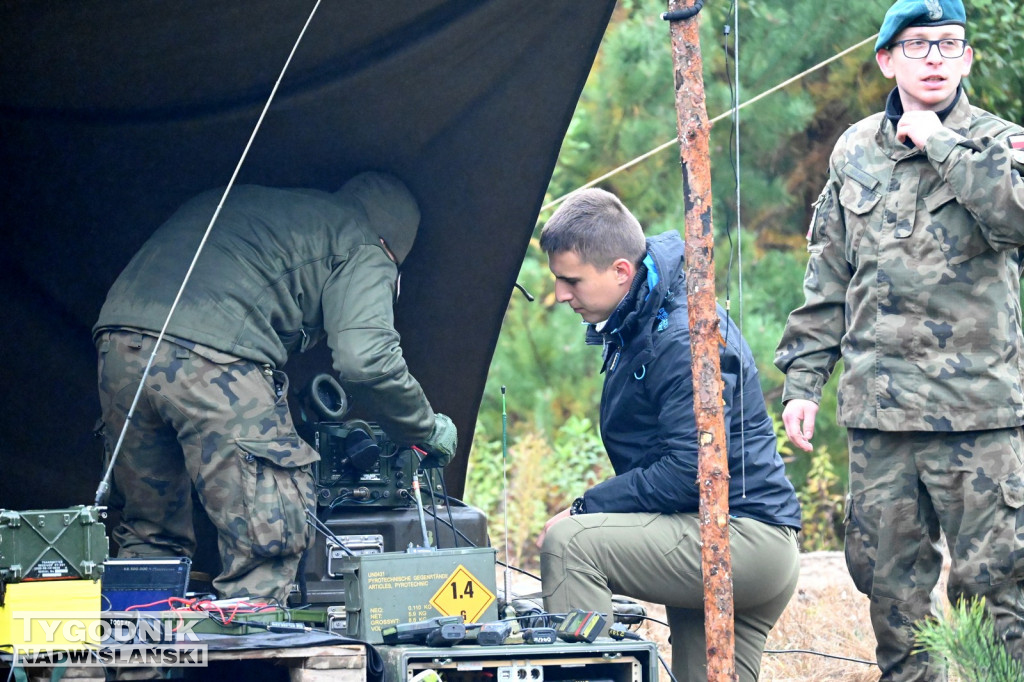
(451, 519)
(458, 532)
(451, 523)
(340, 499)
(529, 297)
(786, 651)
(819, 653)
(652, 619)
(322, 528)
(667, 669)
(517, 569)
(300, 575)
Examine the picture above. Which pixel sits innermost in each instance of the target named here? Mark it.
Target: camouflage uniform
(281, 269)
(914, 280)
(251, 470)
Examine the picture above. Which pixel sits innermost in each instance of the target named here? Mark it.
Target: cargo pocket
(1011, 490)
(955, 229)
(858, 197)
(275, 498)
(858, 551)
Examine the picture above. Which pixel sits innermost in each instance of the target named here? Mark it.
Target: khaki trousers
(656, 558)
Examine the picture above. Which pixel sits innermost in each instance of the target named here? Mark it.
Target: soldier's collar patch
(1017, 141)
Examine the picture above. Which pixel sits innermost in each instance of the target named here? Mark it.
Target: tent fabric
(113, 113)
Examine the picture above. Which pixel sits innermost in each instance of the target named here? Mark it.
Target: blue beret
(906, 13)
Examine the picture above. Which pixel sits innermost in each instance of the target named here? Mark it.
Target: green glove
(442, 442)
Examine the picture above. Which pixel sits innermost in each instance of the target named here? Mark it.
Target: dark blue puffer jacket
(647, 419)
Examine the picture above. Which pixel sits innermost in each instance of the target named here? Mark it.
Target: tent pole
(705, 337)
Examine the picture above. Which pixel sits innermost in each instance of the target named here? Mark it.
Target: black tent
(114, 112)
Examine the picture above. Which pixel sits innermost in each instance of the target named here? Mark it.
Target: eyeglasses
(919, 48)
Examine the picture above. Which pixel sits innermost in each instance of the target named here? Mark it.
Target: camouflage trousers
(906, 490)
(209, 420)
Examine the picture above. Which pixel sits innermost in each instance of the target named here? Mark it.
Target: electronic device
(453, 627)
(539, 636)
(619, 631)
(603, 661)
(360, 466)
(144, 584)
(494, 634)
(580, 626)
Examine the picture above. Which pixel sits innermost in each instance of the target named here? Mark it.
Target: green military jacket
(914, 279)
(280, 270)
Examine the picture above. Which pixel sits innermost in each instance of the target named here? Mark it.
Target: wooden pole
(705, 340)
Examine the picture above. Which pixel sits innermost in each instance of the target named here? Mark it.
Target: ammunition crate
(403, 587)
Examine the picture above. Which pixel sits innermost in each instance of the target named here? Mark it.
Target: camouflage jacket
(281, 270)
(914, 279)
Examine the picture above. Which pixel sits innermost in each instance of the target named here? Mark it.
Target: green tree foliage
(626, 110)
(997, 77)
(966, 638)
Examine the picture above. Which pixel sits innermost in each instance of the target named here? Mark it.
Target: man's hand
(564, 514)
(799, 420)
(918, 126)
(441, 444)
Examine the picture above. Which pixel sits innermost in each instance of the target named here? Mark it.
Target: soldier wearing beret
(914, 281)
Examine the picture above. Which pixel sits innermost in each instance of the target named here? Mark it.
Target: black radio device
(360, 466)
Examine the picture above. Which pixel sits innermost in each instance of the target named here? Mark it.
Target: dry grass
(826, 615)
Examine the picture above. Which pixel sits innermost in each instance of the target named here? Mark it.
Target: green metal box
(52, 544)
(404, 587)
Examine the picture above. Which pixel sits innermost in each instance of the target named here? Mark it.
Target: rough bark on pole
(705, 337)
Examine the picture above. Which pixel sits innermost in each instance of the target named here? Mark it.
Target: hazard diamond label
(462, 594)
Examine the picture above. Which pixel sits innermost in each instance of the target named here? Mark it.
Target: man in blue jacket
(638, 533)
